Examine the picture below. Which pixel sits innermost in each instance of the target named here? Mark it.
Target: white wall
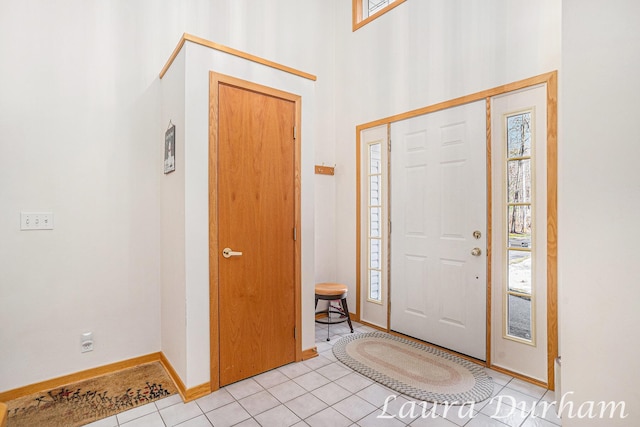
(81, 127)
(599, 201)
(78, 132)
(173, 288)
(421, 53)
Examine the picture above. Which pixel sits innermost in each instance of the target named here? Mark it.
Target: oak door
(255, 232)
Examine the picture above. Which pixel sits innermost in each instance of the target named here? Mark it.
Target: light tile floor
(323, 392)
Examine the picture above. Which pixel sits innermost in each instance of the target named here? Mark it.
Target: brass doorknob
(476, 252)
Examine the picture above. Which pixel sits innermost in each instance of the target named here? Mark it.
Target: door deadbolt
(477, 234)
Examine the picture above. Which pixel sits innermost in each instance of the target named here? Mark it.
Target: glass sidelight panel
(519, 226)
(375, 159)
(519, 135)
(519, 181)
(374, 190)
(375, 278)
(519, 277)
(374, 254)
(375, 221)
(519, 315)
(518, 203)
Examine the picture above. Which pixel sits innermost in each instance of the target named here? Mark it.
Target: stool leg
(328, 319)
(346, 312)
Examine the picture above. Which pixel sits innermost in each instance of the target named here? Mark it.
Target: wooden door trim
(551, 81)
(215, 79)
(552, 227)
(489, 228)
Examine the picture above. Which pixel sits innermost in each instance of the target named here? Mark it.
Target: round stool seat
(331, 292)
(331, 289)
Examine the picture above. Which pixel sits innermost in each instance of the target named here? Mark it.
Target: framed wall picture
(170, 149)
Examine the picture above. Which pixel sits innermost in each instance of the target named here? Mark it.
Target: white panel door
(438, 200)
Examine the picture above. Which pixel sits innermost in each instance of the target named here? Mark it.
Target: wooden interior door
(256, 217)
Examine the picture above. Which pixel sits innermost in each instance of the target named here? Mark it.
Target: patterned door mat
(86, 401)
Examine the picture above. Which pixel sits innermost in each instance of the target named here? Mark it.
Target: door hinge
(295, 133)
(295, 233)
(389, 227)
(389, 144)
(295, 332)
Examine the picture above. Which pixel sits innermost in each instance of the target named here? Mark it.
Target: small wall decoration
(170, 149)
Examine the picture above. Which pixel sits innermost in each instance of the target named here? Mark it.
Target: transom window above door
(365, 11)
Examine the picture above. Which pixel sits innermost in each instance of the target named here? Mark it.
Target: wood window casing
(358, 14)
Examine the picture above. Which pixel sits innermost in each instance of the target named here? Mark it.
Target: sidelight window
(519, 211)
(374, 221)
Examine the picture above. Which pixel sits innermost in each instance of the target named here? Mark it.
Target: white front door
(438, 234)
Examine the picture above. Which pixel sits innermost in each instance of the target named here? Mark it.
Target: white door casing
(438, 200)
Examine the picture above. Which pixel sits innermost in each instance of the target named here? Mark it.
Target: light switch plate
(36, 220)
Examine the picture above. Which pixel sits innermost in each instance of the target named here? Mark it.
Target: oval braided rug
(413, 369)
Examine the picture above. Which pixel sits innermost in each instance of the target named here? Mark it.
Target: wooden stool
(333, 292)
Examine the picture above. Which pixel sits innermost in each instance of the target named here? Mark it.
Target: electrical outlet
(86, 342)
